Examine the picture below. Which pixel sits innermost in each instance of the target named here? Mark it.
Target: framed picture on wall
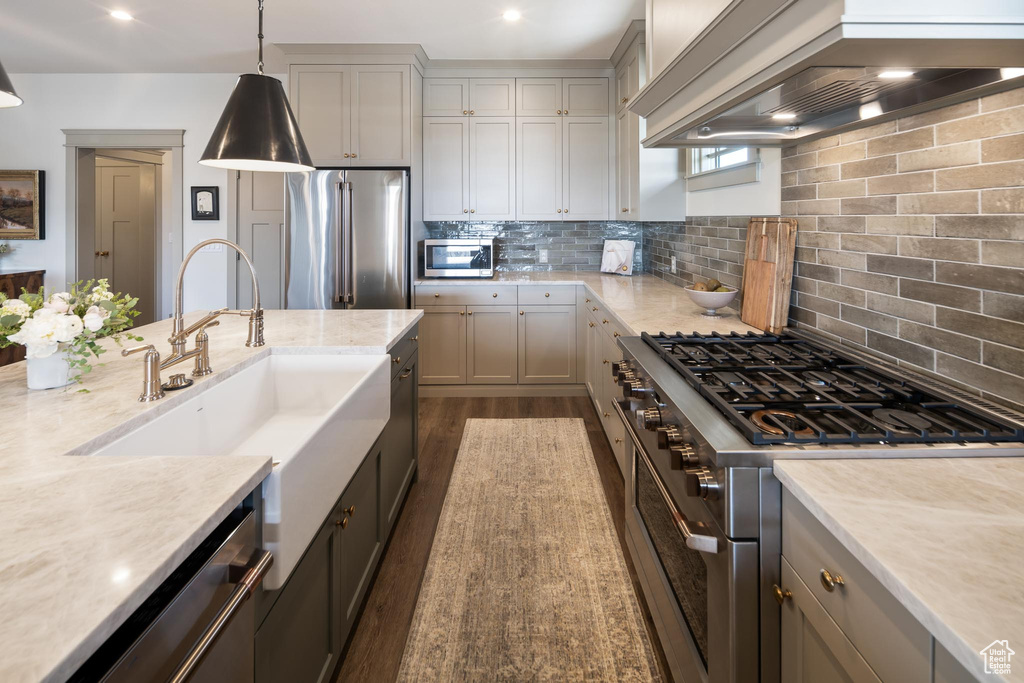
(206, 203)
(22, 204)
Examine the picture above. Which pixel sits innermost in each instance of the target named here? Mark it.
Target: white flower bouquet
(70, 322)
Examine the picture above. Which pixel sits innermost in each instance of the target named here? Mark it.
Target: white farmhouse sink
(315, 415)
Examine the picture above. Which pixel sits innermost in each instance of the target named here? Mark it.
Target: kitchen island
(90, 538)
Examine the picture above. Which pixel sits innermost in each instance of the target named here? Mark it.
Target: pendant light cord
(259, 66)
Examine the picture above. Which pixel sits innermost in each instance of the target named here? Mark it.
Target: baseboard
(499, 390)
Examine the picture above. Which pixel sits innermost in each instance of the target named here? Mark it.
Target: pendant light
(8, 98)
(257, 131)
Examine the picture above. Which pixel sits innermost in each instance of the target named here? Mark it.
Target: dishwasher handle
(253, 572)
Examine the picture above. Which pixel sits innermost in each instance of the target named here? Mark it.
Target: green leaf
(10, 320)
(107, 305)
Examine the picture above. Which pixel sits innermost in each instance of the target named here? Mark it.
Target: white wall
(31, 138)
(763, 198)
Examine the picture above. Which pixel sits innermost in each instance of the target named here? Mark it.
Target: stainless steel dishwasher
(199, 624)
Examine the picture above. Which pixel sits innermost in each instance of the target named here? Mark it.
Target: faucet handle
(137, 349)
(151, 389)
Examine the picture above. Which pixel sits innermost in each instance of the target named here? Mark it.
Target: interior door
(538, 168)
(125, 237)
(260, 230)
(585, 170)
(492, 168)
(445, 168)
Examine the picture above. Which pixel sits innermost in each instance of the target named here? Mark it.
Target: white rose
(58, 302)
(16, 307)
(68, 327)
(38, 335)
(94, 317)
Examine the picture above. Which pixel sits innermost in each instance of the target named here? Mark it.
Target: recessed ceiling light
(896, 73)
(122, 15)
(784, 117)
(512, 15)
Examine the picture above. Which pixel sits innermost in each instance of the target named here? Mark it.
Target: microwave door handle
(694, 541)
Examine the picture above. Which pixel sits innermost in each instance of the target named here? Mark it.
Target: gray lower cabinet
(358, 519)
(398, 456)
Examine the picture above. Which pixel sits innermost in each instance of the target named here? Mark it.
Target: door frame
(165, 140)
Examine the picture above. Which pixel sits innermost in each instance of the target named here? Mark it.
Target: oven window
(684, 567)
(451, 257)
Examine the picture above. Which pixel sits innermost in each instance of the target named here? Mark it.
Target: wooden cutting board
(768, 272)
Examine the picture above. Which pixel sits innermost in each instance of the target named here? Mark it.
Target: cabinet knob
(495, 295)
(618, 440)
(605, 321)
(567, 211)
(465, 111)
(472, 210)
(341, 522)
(396, 360)
(625, 99)
(414, 339)
(616, 334)
(346, 155)
(594, 308)
(586, 301)
(471, 112)
(559, 112)
(781, 595)
(566, 112)
(462, 313)
(607, 415)
(591, 324)
(350, 510)
(547, 294)
(604, 362)
(522, 312)
(470, 313)
(353, 156)
(559, 211)
(465, 211)
(625, 211)
(436, 296)
(829, 581)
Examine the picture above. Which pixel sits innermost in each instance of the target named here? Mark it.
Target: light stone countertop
(641, 303)
(88, 539)
(944, 536)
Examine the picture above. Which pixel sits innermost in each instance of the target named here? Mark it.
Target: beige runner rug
(526, 579)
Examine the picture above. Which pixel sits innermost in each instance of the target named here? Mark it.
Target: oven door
(458, 258)
(700, 585)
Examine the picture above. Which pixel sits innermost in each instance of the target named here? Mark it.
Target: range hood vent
(778, 72)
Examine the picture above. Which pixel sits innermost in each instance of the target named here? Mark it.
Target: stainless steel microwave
(458, 257)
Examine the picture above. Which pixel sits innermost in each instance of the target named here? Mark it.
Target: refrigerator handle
(343, 269)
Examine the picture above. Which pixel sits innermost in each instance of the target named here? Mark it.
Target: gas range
(706, 416)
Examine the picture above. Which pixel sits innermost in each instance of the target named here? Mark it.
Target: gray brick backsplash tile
(940, 248)
(920, 269)
(1002, 148)
(995, 383)
(993, 329)
(999, 305)
(885, 284)
(941, 340)
(981, 227)
(1003, 358)
(874, 244)
(844, 330)
(897, 348)
(901, 225)
(901, 308)
(1009, 280)
(942, 295)
(845, 295)
(870, 319)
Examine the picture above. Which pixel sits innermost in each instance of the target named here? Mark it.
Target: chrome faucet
(152, 388)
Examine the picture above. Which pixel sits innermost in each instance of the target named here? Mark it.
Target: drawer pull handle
(494, 296)
(404, 375)
(436, 296)
(781, 595)
(829, 581)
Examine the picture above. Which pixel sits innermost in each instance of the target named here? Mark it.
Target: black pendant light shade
(257, 131)
(8, 98)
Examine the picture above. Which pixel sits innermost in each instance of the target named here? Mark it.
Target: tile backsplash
(704, 247)
(533, 246)
(911, 241)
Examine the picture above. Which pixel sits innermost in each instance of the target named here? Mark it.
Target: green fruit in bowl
(722, 288)
(713, 285)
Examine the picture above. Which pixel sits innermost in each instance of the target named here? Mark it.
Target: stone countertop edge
(951, 637)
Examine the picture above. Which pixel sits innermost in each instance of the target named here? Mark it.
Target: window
(710, 167)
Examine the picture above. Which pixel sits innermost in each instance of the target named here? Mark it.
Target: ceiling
(80, 36)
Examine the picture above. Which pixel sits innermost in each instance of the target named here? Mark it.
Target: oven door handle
(700, 542)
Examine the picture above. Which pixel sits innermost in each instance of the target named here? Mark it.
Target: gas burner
(792, 423)
(901, 420)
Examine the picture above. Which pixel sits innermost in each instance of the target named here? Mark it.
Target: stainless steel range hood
(777, 72)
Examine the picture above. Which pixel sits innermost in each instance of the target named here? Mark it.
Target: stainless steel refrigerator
(347, 238)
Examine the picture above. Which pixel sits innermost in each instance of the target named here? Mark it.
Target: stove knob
(668, 437)
(701, 483)
(635, 388)
(620, 366)
(683, 456)
(648, 418)
(625, 376)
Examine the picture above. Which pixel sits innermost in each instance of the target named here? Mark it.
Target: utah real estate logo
(997, 657)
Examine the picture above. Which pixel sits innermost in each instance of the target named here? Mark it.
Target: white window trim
(738, 174)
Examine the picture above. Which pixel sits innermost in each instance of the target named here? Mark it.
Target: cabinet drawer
(539, 295)
(466, 295)
(866, 612)
(403, 350)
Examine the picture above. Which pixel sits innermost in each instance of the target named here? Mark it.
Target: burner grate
(782, 389)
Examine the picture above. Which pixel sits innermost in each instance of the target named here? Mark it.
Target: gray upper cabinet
(469, 97)
(585, 96)
(446, 97)
(354, 115)
(446, 168)
(562, 97)
(538, 97)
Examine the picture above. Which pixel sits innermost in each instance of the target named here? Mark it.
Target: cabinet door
(538, 97)
(320, 99)
(595, 355)
(538, 169)
(547, 344)
(445, 96)
(445, 169)
(443, 345)
(398, 455)
(814, 648)
(381, 116)
(585, 96)
(302, 636)
(585, 168)
(621, 87)
(492, 168)
(623, 177)
(492, 96)
(360, 537)
(491, 348)
(614, 428)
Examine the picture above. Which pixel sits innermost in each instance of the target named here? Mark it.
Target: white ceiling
(55, 36)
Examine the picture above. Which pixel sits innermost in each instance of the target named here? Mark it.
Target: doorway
(124, 200)
(256, 205)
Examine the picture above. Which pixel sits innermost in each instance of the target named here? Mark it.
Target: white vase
(50, 372)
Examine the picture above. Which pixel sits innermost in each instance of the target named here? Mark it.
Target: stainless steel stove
(707, 415)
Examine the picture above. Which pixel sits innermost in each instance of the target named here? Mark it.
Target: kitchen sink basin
(316, 415)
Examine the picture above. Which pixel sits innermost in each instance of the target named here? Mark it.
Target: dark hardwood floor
(375, 649)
